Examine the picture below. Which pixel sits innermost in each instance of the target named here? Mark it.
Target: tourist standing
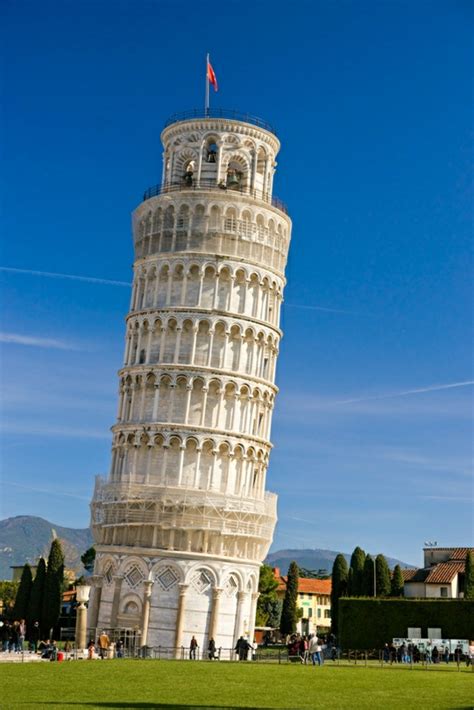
(192, 649)
(104, 643)
(211, 649)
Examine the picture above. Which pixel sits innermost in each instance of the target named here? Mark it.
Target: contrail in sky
(322, 308)
(112, 282)
(72, 277)
(31, 340)
(404, 393)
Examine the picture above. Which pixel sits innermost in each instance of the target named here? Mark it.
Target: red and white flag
(211, 75)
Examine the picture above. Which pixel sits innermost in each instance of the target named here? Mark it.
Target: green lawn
(205, 686)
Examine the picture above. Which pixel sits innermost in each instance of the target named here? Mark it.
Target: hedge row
(369, 623)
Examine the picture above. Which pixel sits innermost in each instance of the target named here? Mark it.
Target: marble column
(148, 584)
(96, 582)
(118, 580)
(214, 620)
(239, 616)
(253, 612)
(178, 639)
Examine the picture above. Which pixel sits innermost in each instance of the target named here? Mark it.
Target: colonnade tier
(170, 518)
(230, 225)
(182, 458)
(201, 342)
(192, 400)
(213, 286)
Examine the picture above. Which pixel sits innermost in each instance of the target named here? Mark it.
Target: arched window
(211, 151)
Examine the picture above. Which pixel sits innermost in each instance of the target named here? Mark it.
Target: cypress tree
(382, 574)
(53, 588)
(340, 578)
(23, 594)
(396, 589)
(289, 610)
(356, 578)
(368, 577)
(35, 607)
(469, 577)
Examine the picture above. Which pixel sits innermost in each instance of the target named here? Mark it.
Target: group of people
(307, 648)
(242, 649)
(104, 648)
(411, 653)
(15, 639)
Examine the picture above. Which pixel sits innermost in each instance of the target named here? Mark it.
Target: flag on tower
(211, 75)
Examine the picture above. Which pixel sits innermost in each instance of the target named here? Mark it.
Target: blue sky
(371, 101)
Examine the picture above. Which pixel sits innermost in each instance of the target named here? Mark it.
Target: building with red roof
(442, 574)
(314, 598)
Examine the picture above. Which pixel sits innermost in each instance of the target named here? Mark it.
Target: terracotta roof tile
(418, 575)
(460, 553)
(308, 586)
(444, 572)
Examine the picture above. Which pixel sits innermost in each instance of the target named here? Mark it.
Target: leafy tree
(22, 598)
(396, 589)
(35, 606)
(267, 586)
(469, 577)
(368, 577)
(356, 574)
(88, 559)
(382, 574)
(340, 574)
(53, 587)
(289, 614)
(8, 592)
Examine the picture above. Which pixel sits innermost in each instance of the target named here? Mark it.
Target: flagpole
(206, 102)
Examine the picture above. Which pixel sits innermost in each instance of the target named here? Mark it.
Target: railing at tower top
(228, 114)
(206, 185)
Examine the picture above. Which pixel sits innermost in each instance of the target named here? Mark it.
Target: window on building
(319, 613)
(443, 591)
(310, 613)
(327, 613)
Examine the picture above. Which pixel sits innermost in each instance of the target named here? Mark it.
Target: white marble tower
(183, 520)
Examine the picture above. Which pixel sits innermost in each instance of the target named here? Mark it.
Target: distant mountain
(25, 538)
(315, 559)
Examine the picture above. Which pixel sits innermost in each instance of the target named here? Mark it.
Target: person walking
(119, 648)
(192, 649)
(312, 648)
(446, 654)
(211, 649)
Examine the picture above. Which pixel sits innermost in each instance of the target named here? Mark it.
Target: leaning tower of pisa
(183, 520)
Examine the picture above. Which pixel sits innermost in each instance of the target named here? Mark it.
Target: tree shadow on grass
(157, 706)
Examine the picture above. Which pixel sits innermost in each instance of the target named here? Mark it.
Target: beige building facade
(183, 520)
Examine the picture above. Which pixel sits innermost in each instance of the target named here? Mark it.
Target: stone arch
(168, 228)
(167, 575)
(208, 286)
(202, 343)
(195, 409)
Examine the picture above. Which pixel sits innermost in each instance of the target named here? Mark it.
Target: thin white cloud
(72, 277)
(36, 342)
(406, 393)
(46, 491)
(327, 310)
(33, 429)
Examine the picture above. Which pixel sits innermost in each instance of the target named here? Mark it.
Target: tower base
(171, 597)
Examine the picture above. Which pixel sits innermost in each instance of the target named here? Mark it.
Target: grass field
(204, 686)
